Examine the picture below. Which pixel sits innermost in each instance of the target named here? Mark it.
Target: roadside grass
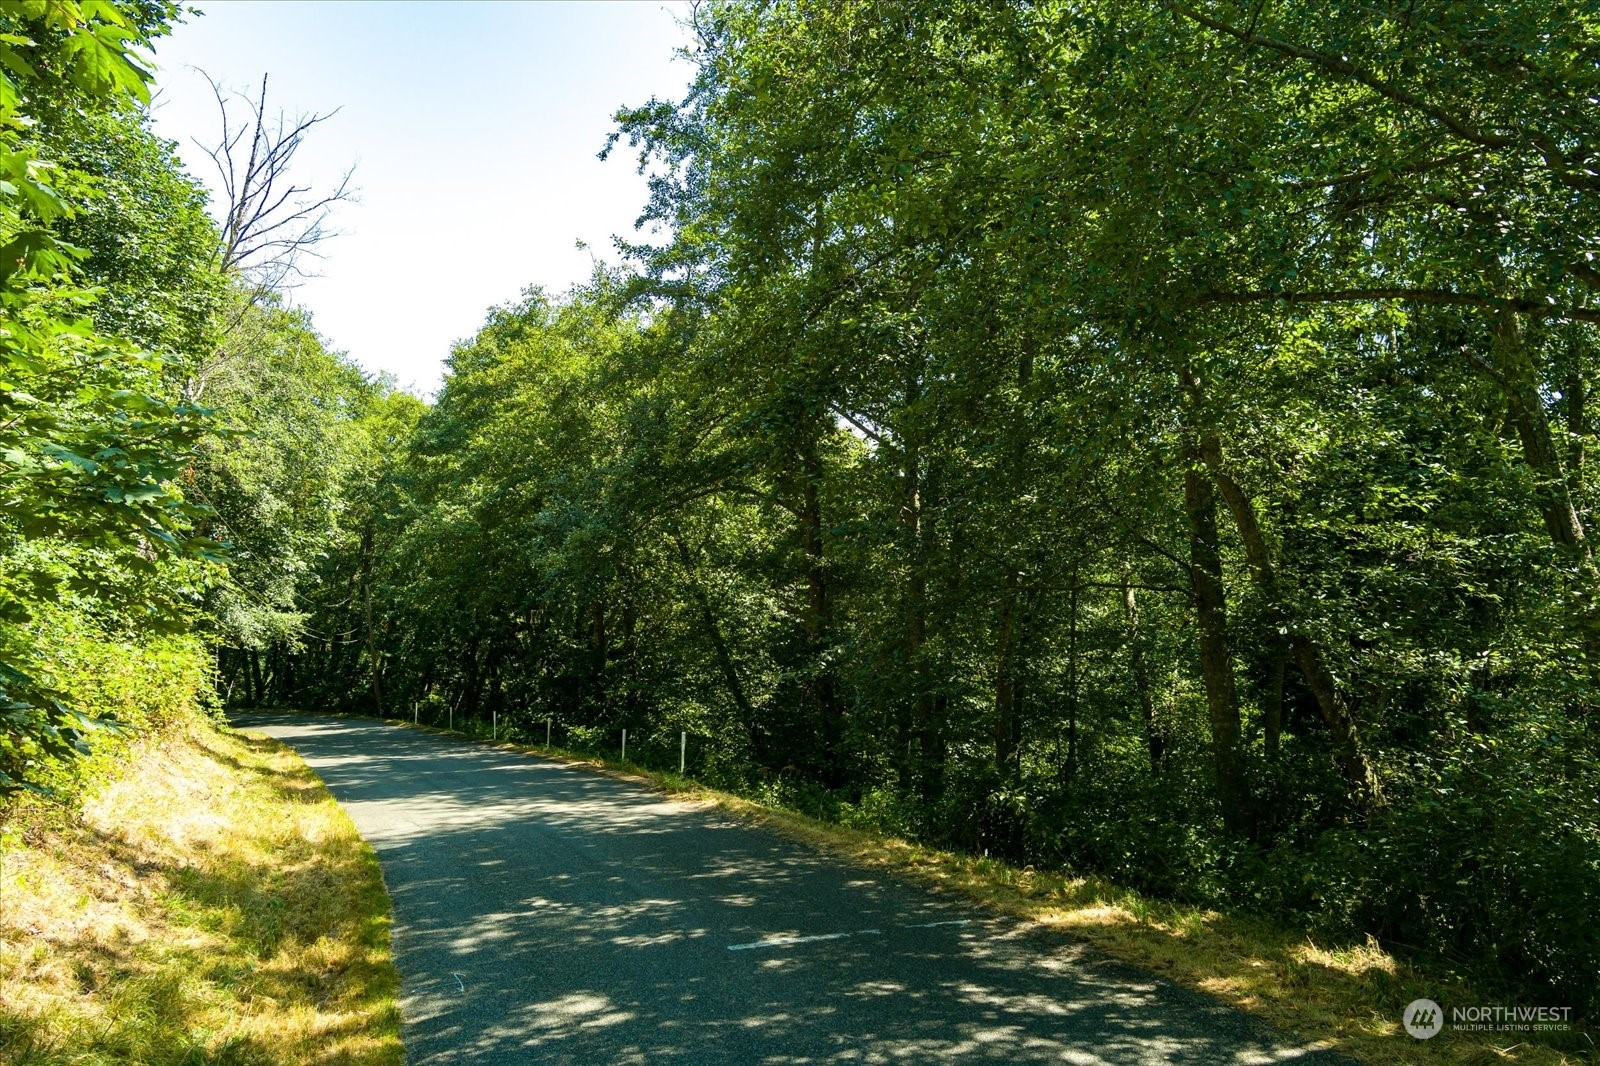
(211, 905)
(1347, 996)
(1344, 995)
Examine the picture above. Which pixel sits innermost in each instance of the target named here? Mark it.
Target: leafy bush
(1491, 863)
(116, 685)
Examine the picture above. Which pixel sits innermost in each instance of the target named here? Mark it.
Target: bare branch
(270, 224)
(870, 434)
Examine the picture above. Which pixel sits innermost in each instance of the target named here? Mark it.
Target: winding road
(548, 914)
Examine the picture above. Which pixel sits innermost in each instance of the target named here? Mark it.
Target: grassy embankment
(1343, 995)
(210, 904)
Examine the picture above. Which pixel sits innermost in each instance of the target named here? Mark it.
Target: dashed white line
(785, 941)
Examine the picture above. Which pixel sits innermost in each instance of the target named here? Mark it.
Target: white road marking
(785, 941)
(935, 925)
(459, 986)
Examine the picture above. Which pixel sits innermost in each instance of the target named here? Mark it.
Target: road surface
(548, 914)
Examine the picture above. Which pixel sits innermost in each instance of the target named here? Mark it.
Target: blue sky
(473, 128)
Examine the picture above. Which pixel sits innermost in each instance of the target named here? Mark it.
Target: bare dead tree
(272, 224)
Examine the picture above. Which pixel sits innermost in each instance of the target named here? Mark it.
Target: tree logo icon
(1423, 1018)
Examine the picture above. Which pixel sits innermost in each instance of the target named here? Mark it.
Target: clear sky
(473, 128)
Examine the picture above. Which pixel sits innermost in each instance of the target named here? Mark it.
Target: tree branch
(1524, 305)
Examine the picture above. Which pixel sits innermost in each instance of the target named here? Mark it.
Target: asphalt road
(546, 914)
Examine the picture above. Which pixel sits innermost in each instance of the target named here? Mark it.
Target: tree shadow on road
(548, 914)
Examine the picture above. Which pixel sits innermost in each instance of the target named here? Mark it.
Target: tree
(93, 451)
(270, 225)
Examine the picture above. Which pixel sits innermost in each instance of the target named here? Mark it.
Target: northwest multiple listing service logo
(1423, 1019)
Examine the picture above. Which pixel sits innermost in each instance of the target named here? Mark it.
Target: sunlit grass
(213, 905)
(1347, 996)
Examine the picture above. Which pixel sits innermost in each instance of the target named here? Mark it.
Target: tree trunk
(467, 698)
(1577, 431)
(1354, 767)
(1216, 660)
(1005, 680)
(496, 698)
(258, 692)
(1014, 620)
(719, 646)
(373, 663)
(1072, 680)
(925, 708)
(819, 613)
(1520, 382)
(286, 684)
(1360, 778)
(599, 652)
(1272, 712)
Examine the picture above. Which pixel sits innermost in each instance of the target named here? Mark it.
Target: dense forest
(1146, 438)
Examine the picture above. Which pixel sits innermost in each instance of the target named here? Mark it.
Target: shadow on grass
(1348, 993)
(295, 783)
(270, 948)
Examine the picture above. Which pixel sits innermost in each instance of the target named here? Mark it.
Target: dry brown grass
(1347, 996)
(211, 905)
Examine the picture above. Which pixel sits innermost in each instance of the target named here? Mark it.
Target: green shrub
(118, 685)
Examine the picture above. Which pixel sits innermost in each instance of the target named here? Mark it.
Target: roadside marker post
(547, 732)
(452, 719)
(494, 724)
(683, 750)
(624, 745)
(413, 712)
